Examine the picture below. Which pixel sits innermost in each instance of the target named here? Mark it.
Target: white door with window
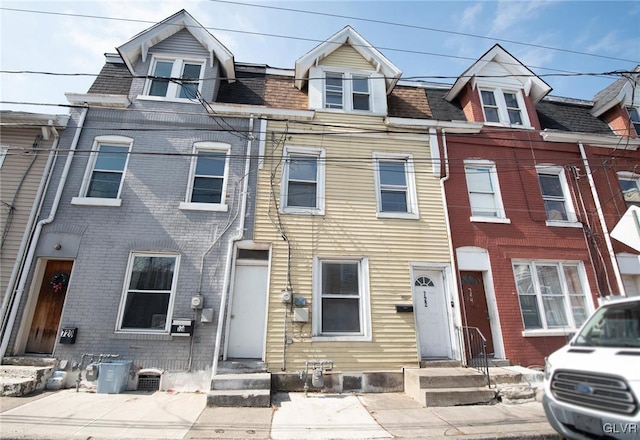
(431, 314)
(248, 310)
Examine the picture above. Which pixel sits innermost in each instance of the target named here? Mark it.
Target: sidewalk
(66, 414)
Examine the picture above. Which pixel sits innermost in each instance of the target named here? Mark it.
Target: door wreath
(59, 281)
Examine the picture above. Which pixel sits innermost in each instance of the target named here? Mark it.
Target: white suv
(592, 385)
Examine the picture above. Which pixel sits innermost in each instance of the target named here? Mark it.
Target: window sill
(500, 124)
(478, 219)
(400, 215)
(166, 99)
(95, 201)
(212, 207)
(563, 224)
(302, 211)
(359, 338)
(541, 333)
(149, 336)
(349, 111)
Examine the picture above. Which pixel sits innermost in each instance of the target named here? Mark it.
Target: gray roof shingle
(114, 79)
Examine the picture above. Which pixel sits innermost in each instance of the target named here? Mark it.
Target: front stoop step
(448, 387)
(18, 380)
(240, 390)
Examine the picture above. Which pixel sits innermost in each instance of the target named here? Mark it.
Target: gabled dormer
(177, 60)
(499, 90)
(619, 104)
(346, 74)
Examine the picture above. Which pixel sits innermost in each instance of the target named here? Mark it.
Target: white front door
(430, 309)
(248, 311)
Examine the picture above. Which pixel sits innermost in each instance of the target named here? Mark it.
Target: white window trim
(377, 90)
(497, 194)
(503, 114)
(319, 153)
(125, 289)
(572, 219)
(365, 306)
(82, 198)
(571, 326)
(187, 205)
(3, 154)
(173, 88)
(412, 196)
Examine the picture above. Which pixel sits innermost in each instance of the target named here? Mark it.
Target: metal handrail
(476, 350)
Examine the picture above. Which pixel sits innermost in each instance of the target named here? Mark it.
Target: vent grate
(148, 382)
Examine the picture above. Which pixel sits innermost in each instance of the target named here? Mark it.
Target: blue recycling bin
(113, 376)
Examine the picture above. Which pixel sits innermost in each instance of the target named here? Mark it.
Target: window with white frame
(630, 186)
(347, 91)
(503, 107)
(104, 176)
(484, 189)
(551, 294)
(175, 78)
(395, 186)
(302, 181)
(208, 182)
(634, 116)
(341, 307)
(149, 290)
(555, 194)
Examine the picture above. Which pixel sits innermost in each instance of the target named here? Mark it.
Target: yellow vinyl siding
(15, 173)
(346, 56)
(349, 228)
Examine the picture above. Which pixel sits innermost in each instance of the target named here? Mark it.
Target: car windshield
(612, 325)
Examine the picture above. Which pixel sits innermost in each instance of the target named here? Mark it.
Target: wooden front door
(46, 317)
(475, 305)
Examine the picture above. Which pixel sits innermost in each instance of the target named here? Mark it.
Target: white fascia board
(98, 100)
(449, 126)
(257, 111)
(616, 142)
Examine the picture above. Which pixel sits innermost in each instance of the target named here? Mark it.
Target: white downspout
(36, 235)
(454, 278)
(607, 238)
(239, 234)
(29, 227)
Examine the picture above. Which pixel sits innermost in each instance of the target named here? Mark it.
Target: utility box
(113, 377)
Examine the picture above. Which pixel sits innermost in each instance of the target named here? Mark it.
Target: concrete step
(239, 398)
(29, 361)
(439, 363)
(233, 366)
(457, 396)
(428, 378)
(241, 381)
(19, 380)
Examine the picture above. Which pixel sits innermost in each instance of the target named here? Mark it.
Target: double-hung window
(347, 91)
(484, 190)
(341, 299)
(175, 78)
(630, 186)
(104, 176)
(209, 175)
(551, 294)
(503, 107)
(555, 195)
(395, 186)
(302, 181)
(149, 290)
(634, 116)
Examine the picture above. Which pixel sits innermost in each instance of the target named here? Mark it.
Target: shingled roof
(114, 79)
(567, 116)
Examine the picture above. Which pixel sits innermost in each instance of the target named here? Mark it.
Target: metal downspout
(454, 269)
(36, 235)
(227, 273)
(607, 238)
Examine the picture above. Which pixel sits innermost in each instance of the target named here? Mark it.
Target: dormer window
(183, 78)
(634, 116)
(347, 91)
(503, 107)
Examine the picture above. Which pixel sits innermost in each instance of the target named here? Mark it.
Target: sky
(65, 41)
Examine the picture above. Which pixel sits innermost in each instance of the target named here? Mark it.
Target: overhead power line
(425, 28)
